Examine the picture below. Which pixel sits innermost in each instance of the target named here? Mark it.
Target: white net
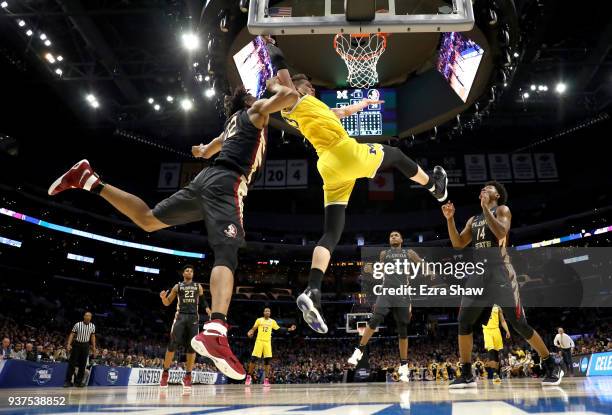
(361, 53)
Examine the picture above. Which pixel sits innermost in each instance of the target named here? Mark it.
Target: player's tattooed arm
(168, 299)
(349, 110)
(499, 223)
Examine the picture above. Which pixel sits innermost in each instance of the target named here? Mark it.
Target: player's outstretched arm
(206, 151)
(499, 223)
(283, 98)
(278, 61)
(349, 110)
(252, 331)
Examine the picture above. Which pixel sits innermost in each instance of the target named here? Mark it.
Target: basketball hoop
(360, 53)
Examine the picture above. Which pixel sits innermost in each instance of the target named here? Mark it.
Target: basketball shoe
(310, 304)
(212, 343)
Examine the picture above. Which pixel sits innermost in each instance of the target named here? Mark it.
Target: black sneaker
(463, 382)
(310, 304)
(440, 191)
(554, 374)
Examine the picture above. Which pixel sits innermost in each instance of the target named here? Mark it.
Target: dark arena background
(517, 92)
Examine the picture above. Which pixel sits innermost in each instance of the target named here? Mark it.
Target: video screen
(379, 119)
(254, 66)
(458, 61)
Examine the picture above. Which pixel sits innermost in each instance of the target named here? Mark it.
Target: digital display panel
(254, 66)
(458, 61)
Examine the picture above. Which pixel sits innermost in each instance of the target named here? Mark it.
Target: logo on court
(231, 231)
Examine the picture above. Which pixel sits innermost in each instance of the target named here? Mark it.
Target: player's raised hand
(163, 295)
(484, 199)
(292, 328)
(448, 210)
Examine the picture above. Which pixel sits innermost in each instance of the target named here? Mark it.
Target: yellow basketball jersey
(493, 322)
(316, 122)
(264, 328)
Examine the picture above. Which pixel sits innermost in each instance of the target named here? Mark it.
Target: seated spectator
(30, 353)
(18, 352)
(5, 351)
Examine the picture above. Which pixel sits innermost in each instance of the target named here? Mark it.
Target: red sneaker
(163, 382)
(248, 380)
(80, 176)
(212, 343)
(187, 381)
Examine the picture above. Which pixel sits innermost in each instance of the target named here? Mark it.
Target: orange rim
(361, 35)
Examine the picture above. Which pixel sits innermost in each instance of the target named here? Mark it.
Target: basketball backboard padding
(299, 17)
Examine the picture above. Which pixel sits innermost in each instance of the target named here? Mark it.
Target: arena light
(97, 237)
(80, 258)
(190, 41)
(49, 57)
(21, 23)
(207, 78)
(60, 58)
(561, 88)
(90, 97)
(157, 107)
(186, 104)
(10, 242)
(516, 54)
(29, 32)
(4, 5)
(169, 98)
(526, 95)
(146, 270)
(47, 43)
(533, 87)
(209, 93)
(59, 72)
(150, 100)
(43, 36)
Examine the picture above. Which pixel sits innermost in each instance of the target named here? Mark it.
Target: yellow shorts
(262, 348)
(492, 339)
(342, 164)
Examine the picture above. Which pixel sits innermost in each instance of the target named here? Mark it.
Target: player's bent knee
(465, 328)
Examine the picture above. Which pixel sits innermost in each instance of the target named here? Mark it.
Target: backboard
(302, 17)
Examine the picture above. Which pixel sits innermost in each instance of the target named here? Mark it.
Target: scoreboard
(374, 120)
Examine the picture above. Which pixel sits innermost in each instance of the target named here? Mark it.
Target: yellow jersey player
(493, 341)
(263, 344)
(342, 160)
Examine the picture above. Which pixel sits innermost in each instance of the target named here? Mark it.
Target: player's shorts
(492, 339)
(500, 286)
(214, 196)
(401, 306)
(184, 328)
(342, 164)
(262, 348)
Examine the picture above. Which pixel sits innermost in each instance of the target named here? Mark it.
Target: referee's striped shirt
(84, 331)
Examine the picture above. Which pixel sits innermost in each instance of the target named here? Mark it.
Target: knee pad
(375, 321)
(267, 361)
(226, 255)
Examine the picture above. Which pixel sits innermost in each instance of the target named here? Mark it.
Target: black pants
(78, 358)
(567, 360)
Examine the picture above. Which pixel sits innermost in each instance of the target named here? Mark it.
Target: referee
(85, 332)
(565, 344)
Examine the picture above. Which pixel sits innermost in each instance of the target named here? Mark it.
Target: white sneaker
(356, 357)
(404, 373)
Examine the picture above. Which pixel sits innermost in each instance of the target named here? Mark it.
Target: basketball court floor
(577, 396)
